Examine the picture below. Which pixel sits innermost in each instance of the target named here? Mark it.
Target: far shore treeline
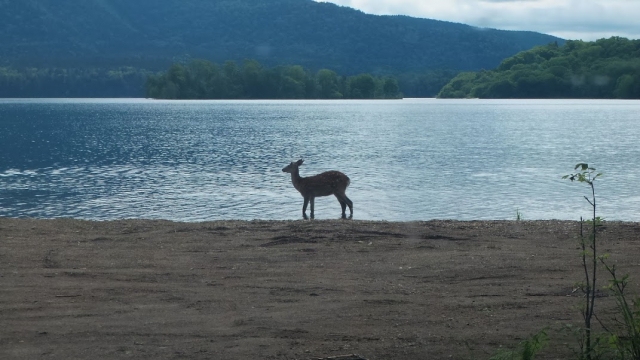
(602, 69)
(121, 82)
(202, 79)
(126, 81)
(32, 82)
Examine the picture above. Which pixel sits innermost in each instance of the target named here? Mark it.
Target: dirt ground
(140, 289)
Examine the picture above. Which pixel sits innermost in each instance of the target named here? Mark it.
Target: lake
(412, 159)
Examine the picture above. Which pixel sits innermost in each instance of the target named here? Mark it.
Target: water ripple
(407, 160)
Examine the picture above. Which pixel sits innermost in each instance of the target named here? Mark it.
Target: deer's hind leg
(349, 204)
(343, 205)
(344, 202)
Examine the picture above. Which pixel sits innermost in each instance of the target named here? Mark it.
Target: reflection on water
(407, 160)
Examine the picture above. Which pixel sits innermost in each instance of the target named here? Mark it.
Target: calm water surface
(407, 160)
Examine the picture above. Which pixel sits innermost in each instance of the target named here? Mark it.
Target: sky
(586, 20)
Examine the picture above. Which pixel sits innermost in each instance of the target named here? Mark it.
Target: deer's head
(293, 167)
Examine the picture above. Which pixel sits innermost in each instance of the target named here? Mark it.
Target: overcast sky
(569, 19)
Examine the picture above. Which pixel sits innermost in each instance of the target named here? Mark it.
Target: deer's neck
(296, 180)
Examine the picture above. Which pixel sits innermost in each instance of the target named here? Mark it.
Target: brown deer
(324, 184)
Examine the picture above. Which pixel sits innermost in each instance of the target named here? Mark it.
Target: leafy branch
(588, 175)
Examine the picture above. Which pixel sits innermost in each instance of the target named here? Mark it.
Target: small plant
(588, 244)
(526, 350)
(627, 344)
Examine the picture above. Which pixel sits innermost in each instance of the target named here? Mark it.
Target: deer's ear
(300, 162)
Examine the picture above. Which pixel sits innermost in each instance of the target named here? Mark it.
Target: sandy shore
(140, 289)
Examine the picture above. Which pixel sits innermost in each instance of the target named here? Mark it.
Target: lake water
(412, 159)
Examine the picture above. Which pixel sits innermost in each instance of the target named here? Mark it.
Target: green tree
(628, 87)
(328, 84)
(177, 82)
(252, 79)
(362, 86)
(293, 85)
(390, 88)
(234, 87)
(201, 78)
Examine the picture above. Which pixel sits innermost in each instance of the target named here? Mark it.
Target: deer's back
(324, 184)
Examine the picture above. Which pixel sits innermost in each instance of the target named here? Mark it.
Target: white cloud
(569, 19)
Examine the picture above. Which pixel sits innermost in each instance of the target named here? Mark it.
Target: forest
(202, 79)
(25, 82)
(602, 69)
(71, 82)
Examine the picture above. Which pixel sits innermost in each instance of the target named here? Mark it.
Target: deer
(324, 184)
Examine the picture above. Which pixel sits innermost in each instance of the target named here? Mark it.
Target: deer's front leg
(304, 208)
(312, 202)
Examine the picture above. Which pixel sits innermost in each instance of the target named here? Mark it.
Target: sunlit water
(407, 160)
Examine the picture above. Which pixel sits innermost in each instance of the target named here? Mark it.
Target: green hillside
(606, 68)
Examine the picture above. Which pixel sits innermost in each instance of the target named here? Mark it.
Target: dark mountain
(151, 34)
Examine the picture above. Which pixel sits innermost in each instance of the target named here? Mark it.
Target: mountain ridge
(152, 34)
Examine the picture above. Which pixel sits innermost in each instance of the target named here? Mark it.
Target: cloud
(570, 19)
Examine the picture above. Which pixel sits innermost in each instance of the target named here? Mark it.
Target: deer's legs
(312, 203)
(343, 205)
(304, 208)
(344, 202)
(350, 204)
